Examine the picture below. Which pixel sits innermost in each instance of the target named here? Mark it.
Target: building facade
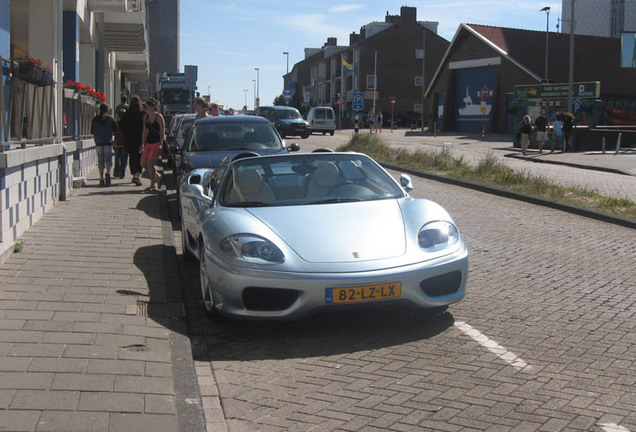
(473, 86)
(387, 63)
(607, 18)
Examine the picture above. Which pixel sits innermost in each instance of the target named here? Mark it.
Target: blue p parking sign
(358, 101)
(577, 105)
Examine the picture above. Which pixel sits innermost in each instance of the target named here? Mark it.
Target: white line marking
(613, 427)
(501, 352)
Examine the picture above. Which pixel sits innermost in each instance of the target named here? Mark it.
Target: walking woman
(152, 143)
(525, 130)
(132, 125)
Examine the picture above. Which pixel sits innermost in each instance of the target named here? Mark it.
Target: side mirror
(293, 147)
(406, 182)
(195, 191)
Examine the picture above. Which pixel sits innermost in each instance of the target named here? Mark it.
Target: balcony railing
(27, 108)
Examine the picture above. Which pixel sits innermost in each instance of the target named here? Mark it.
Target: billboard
(628, 50)
(473, 98)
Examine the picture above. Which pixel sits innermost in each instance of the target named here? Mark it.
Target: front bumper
(287, 295)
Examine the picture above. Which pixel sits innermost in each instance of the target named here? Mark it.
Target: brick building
(501, 58)
(391, 50)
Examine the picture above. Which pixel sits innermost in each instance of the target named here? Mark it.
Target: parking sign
(358, 101)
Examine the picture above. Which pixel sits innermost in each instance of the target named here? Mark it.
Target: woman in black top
(152, 142)
(132, 125)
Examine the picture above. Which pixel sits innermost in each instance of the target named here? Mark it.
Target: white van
(322, 119)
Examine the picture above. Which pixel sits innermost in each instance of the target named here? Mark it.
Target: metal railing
(28, 113)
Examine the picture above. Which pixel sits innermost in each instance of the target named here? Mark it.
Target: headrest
(250, 181)
(327, 174)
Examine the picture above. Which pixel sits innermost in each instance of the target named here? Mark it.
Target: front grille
(268, 299)
(442, 285)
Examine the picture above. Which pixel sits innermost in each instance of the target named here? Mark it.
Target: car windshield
(224, 136)
(309, 179)
(289, 114)
(185, 126)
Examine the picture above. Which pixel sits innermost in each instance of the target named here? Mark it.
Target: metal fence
(28, 112)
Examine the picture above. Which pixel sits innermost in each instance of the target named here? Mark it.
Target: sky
(228, 40)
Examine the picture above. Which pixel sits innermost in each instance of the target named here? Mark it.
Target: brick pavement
(80, 349)
(78, 352)
(554, 288)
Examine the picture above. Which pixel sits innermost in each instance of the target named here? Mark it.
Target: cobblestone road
(545, 340)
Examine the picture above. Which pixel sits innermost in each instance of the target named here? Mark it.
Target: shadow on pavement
(323, 334)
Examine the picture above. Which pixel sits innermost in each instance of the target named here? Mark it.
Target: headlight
(251, 248)
(436, 236)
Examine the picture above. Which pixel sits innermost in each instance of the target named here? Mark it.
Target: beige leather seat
(252, 187)
(324, 178)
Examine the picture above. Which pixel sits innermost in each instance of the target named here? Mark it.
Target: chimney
(353, 38)
(408, 14)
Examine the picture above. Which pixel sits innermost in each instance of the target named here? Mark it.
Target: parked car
(408, 118)
(322, 119)
(211, 139)
(176, 135)
(287, 120)
(280, 237)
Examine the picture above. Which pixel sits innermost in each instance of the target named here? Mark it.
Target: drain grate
(161, 310)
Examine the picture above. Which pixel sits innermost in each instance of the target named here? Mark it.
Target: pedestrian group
(561, 128)
(135, 136)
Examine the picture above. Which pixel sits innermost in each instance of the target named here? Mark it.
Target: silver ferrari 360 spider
(282, 236)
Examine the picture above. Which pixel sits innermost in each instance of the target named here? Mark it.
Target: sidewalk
(92, 330)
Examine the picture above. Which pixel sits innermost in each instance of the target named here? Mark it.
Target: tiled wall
(30, 182)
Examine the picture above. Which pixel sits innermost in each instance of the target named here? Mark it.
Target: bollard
(603, 145)
(618, 142)
(435, 128)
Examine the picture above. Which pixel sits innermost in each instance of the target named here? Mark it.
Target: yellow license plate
(363, 293)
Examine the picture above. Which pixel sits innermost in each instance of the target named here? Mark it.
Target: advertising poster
(473, 98)
(628, 50)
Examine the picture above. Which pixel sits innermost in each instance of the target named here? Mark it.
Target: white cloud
(346, 7)
(317, 26)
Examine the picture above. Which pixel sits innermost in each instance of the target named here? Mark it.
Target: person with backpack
(102, 128)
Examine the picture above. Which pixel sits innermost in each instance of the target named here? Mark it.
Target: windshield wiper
(248, 204)
(336, 200)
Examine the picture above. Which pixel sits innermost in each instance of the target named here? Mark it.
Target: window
(419, 81)
(417, 107)
(371, 82)
(419, 53)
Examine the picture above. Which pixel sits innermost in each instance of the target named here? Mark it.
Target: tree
(278, 100)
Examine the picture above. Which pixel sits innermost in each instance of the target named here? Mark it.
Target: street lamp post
(257, 87)
(245, 90)
(547, 40)
(285, 53)
(254, 81)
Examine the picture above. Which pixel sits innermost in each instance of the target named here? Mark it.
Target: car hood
(293, 121)
(338, 233)
(210, 159)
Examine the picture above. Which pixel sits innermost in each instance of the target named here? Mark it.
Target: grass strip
(491, 171)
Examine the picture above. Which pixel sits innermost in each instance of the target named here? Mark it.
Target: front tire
(206, 289)
(305, 136)
(188, 256)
